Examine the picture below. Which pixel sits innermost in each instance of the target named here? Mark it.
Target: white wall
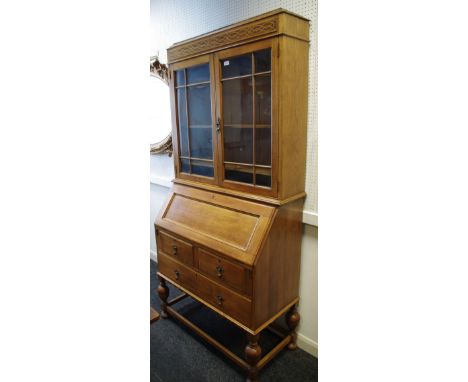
(176, 20)
(162, 172)
(308, 329)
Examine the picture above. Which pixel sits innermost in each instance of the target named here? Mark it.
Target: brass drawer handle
(177, 274)
(174, 250)
(219, 300)
(219, 271)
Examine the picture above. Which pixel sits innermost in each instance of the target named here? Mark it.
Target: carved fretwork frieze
(221, 39)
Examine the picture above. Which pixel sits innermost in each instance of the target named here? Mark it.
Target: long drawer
(229, 302)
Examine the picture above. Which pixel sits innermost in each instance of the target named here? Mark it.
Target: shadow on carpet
(178, 354)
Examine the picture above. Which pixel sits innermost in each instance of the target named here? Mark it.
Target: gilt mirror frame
(161, 72)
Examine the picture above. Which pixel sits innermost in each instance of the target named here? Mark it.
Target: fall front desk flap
(225, 224)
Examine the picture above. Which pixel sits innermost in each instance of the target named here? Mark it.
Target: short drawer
(229, 302)
(223, 271)
(175, 248)
(177, 272)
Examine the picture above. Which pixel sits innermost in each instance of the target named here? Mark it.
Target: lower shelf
(286, 338)
(253, 361)
(283, 311)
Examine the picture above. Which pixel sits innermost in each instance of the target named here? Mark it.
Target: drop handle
(219, 271)
(218, 125)
(177, 274)
(219, 300)
(174, 250)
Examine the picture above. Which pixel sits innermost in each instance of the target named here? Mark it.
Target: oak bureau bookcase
(230, 233)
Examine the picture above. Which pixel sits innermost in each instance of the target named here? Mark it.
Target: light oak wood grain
(176, 248)
(277, 22)
(223, 271)
(235, 247)
(225, 224)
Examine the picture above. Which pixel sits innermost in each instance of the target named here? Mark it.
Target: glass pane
(237, 66)
(238, 173)
(263, 120)
(201, 142)
(263, 99)
(180, 77)
(263, 146)
(202, 168)
(182, 115)
(263, 61)
(238, 144)
(199, 105)
(237, 101)
(200, 73)
(263, 177)
(185, 166)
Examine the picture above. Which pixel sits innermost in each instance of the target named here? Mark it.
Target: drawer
(175, 248)
(229, 302)
(177, 272)
(223, 271)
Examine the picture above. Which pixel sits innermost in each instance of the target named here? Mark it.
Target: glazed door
(246, 117)
(193, 96)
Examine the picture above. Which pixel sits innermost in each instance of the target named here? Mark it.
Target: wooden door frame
(237, 51)
(205, 59)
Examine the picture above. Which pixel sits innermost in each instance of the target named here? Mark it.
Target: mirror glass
(160, 109)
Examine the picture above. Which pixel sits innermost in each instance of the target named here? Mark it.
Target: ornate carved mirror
(160, 113)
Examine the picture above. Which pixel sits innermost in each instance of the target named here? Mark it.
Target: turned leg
(163, 292)
(292, 319)
(253, 352)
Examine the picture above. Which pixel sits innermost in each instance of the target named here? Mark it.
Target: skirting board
(308, 345)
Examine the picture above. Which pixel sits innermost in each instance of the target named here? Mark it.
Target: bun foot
(292, 319)
(253, 353)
